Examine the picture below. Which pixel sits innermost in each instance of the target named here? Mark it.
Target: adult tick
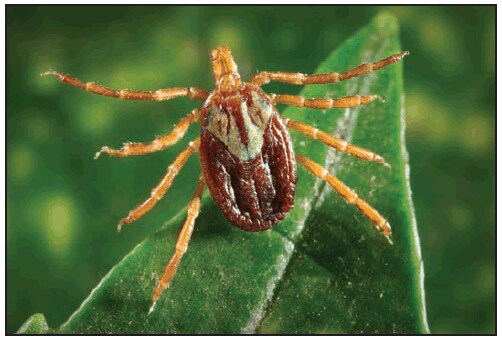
(246, 154)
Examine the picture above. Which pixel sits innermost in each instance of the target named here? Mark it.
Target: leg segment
(324, 103)
(125, 94)
(183, 239)
(161, 189)
(349, 195)
(328, 78)
(136, 148)
(336, 143)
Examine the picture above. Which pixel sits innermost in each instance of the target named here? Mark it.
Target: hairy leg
(263, 78)
(336, 143)
(125, 94)
(160, 143)
(349, 195)
(183, 240)
(161, 189)
(324, 103)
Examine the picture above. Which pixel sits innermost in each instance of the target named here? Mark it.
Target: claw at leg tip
(377, 97)
(152, 308)
(389, 240)
(379, 159)
(98, 153)
(49, 72)
(119, 227)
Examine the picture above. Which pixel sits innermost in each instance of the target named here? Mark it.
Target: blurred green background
(62, 206)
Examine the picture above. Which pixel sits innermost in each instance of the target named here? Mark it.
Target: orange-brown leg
(349, 195)
(338, 144)
(304, 79)
(125, 94)
(136, 148)
(161, 189)
(182, 243)
(324, 103)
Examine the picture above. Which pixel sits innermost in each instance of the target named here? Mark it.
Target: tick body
(246, 154)
(247, 158)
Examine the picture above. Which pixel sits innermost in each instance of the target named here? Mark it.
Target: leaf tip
(387, 21)
(36, 324)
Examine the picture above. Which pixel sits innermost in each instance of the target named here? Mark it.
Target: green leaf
(325, 269)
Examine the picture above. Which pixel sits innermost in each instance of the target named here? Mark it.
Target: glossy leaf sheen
(325, 269)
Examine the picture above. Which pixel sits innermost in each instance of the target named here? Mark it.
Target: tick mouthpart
(225, 69)
(229, 83)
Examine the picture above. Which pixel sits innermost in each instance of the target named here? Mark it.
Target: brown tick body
(247, 158)
(246, 154)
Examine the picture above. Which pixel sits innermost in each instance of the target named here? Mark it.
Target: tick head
(225, 70)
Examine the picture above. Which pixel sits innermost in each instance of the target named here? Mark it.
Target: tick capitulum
(246, 154)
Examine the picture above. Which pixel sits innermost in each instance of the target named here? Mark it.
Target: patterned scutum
(247, 158)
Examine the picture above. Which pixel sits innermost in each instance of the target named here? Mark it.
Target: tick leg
(349, 195)
(161, 189)
(183, 239)
(136, 148)
(324, 103)
(338, 144)
(263, 78)
(125, 94)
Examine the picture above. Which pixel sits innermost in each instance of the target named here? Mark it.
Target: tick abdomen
(247, 158)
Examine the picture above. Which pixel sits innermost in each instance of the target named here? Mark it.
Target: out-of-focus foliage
(61, 205)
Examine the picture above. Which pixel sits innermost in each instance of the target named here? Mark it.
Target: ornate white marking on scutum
(218, 122)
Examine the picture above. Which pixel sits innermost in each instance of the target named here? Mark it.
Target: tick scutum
(247, 158)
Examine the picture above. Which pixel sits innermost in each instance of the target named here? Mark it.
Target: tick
(246, 154)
